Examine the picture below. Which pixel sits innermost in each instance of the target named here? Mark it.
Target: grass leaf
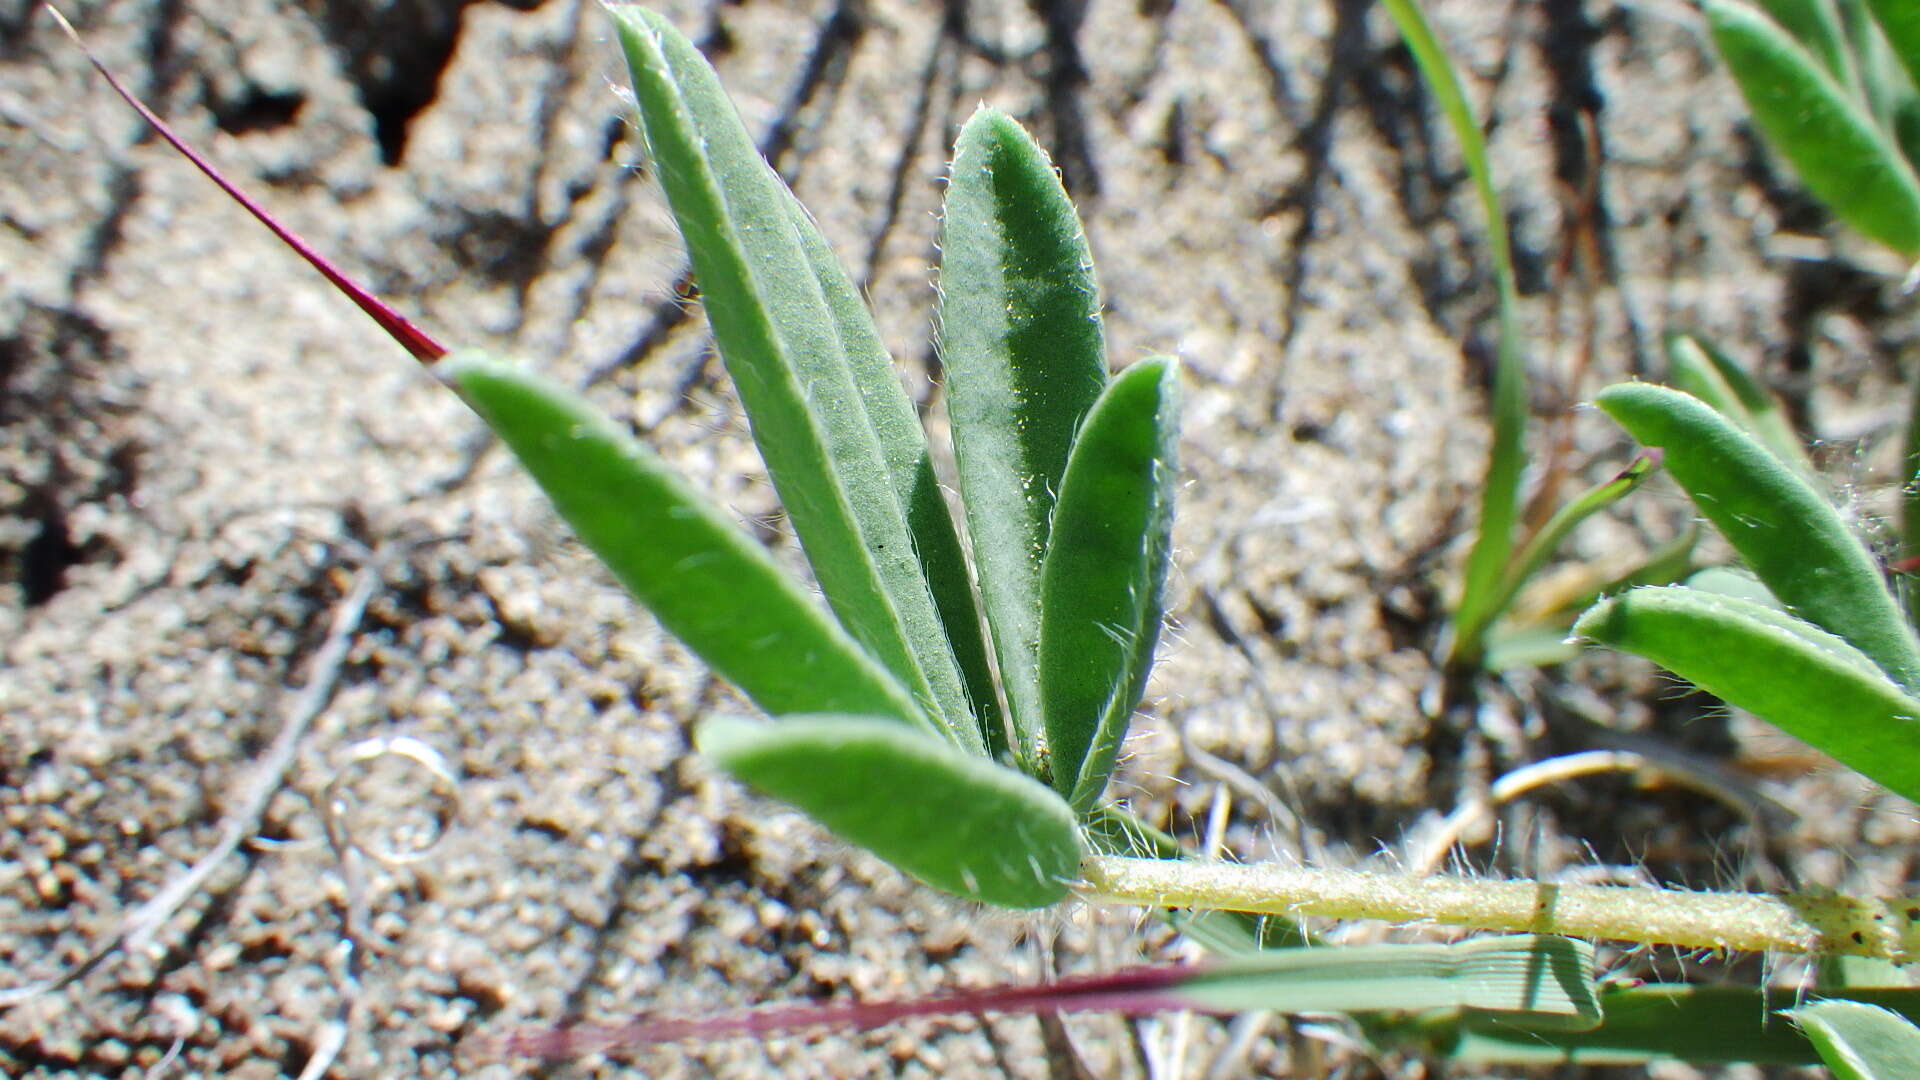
(1831, 141)
(953, 820)
(1861, 1042)
(1660, 1022)
(1101, 580)
(1789, 535)
(1547, 979)
(702, 576)
(823, 422)
(1021, 340)
(1789, 672)
(1507, 459)
(1697, 367)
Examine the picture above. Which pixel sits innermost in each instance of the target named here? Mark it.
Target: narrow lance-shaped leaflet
(1785, 670)
(781, 342)
(1020, 338)
(1832, 142)
(1102, 576)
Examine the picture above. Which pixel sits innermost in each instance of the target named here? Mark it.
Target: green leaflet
(1697, 367)
(1494, 541)
(1789, 672)
(1832, 142)
(1787, 533)
(826, 422)
(705, 579)
(1816, 25)
(1100, 583)
(903, 442)
(1861, 1042)
(1021, 340)
(1899, 21)
(1544, 980)
(1883, 81)
(953, 820)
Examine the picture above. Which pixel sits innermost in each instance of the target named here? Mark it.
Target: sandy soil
(201, 448)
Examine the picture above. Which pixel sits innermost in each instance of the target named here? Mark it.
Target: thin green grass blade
(1542, 639)
(809, 408)
(1790, 673)
(1861, 1042)
(1835, 145)
(703, 577)
(1548, 980)
(1660, 1022)
(1101, 580)
(1789, 535)
(1836, 974)
(1699, 368)
(1568, 518)
(1500, 493)
(903, 443)
(955, 821)
(1021, 340)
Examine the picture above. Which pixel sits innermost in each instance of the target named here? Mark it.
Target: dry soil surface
(202, 449)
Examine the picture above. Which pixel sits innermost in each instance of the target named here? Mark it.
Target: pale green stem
(1888, 929)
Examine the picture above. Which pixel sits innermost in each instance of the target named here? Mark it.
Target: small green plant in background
(1832, 84)
(1487, 631)
(976, 760)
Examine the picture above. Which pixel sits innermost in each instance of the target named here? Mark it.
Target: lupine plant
(1835, 87)
(957, 706)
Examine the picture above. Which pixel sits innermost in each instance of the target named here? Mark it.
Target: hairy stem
(1797, 923)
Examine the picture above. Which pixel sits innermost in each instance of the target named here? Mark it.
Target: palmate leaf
(824, 412)
(708, 582)
(956, 821)
(1020, 337)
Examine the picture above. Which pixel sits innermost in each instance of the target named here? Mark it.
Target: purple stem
(1140, 990)
(415, 340)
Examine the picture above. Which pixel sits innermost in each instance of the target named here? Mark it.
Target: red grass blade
(1141, 990)
(415, 340)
